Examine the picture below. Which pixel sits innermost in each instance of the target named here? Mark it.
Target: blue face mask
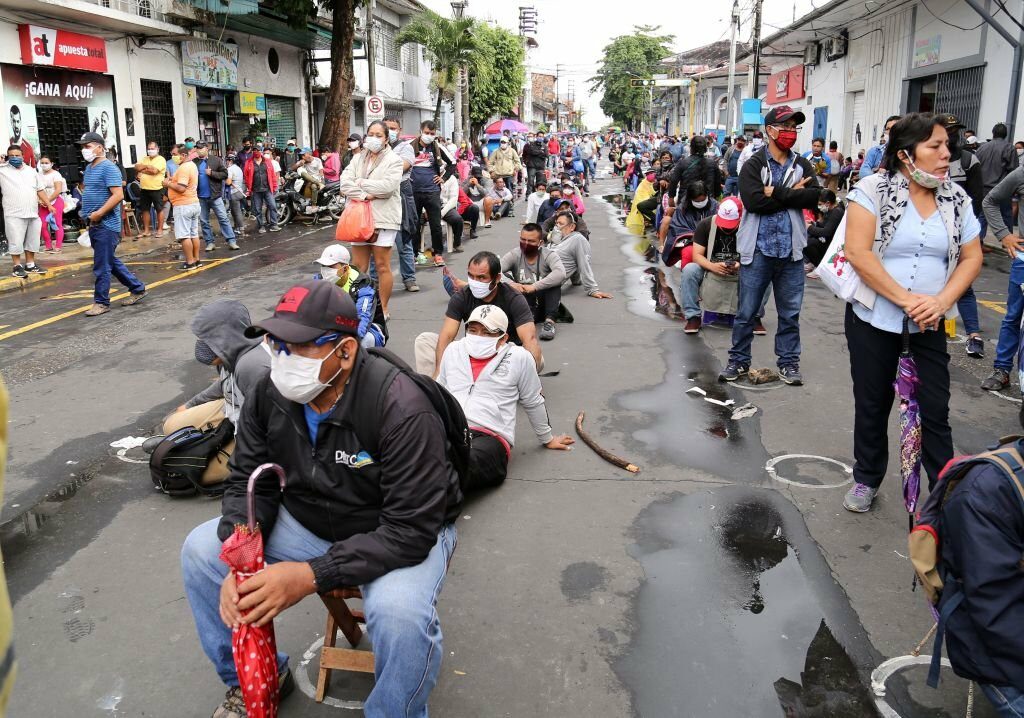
(16, 162)
(189, 145)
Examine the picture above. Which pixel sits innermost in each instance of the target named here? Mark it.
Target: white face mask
(298, 378)
(329, 273)
(373, 144)
(479, 289)
(44, 166)
(702, 204)
(427, 139)
(87, 154)
(757, 143)
(353, 144)
(481, 347)
(152, 153)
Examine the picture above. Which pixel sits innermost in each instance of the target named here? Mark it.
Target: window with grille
(158, 114)
(385, 49)
(411, 60)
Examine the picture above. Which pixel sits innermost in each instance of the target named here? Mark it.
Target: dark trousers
(431, 202)
(472, 215)
(454, 220)
(545, 304)
(488, 463)
(874, 356)
(648, 207)
(815, 250)
(533, 176)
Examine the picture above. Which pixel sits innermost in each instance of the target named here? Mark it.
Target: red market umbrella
(496, 128)
(906, 385)
(254, 647)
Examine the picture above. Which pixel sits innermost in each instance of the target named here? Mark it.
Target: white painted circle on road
(1004, 397)
(306, 686)
(770, 468)
(881, 674)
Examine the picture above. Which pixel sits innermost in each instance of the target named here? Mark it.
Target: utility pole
(557, 98)
(730, 123)
(371, 56)
(461, 88)
(756, 42)
(527, 27)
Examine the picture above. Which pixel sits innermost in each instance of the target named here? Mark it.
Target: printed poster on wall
(29, 92)
(208, 63)
(926, 51)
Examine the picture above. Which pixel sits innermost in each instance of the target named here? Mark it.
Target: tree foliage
(496, 84)
(629, 57)
(449, 43)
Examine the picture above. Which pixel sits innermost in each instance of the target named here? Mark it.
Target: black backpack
(178, 462)
(367, 419)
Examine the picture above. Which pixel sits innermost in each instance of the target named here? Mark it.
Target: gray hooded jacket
(220, 324)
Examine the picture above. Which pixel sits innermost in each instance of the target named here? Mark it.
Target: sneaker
(759, 330)
(411, 286)
(438, 260)
(859, 498)
(458, 250)
(975, 347)
(421, 259)
(733, 371)
(185, 266)
(233, 705)
(999, 380)
(196, 264)
(791, 375)
(547, 331)
(487, 225)
(275, 228)
(211, 247)
(19, 271)
(692, 325)
(97, 309)
(133, 299)
(233, 246)
(261, 230)
(474, 235)
(34, 269)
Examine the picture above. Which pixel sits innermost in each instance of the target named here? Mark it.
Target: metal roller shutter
(280, 119)
(959, 93)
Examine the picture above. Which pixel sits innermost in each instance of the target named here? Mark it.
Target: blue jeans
(732, 186)
(259, 199)
(967, 305)
(105, 262)
(400, 606)
(1009, 331)
(217, 205)
(786, 277)
(1007, 700)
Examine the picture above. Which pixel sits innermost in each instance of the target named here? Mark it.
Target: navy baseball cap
(307, 311)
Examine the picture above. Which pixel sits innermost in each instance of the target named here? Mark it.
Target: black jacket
(826, 229)
(690, 169)
(380, 512)
(445, 162)
(535, 155)
(982, 544)
(752, 187)
(218, 173)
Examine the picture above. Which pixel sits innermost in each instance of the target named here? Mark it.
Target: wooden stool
(340, 616)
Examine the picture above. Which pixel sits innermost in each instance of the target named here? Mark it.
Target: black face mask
(529, 250)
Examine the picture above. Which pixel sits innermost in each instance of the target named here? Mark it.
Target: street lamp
(459, 8)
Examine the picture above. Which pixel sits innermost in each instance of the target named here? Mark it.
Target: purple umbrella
(496, 128)
(910, 423)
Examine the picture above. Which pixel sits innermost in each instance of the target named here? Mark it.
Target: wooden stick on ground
(603, 453)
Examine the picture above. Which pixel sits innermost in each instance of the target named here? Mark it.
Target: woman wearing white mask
(489, 397)
(375, 176)
(696, 205)
(54, 186)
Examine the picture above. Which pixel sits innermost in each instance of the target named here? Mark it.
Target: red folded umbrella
(254, 647)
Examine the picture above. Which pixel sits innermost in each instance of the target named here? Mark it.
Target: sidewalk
(75, 258)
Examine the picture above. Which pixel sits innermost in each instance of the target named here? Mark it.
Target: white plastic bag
(83, 239)
(836, 272)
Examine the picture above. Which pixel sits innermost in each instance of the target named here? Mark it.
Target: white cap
(971, 141)
(493, 318)
(334, 254)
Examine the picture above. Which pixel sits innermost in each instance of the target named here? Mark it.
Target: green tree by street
(629, 57)
(496, 81)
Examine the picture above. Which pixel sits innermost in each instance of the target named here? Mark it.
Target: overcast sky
(573, 33)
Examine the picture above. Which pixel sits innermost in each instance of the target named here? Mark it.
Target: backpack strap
(374, 381)
(952, 604)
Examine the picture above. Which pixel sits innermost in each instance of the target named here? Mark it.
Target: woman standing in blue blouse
(912, 238)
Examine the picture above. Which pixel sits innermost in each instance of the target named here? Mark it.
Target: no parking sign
(374, 108)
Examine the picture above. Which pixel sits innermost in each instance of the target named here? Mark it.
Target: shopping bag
(356, 222)
(836, 272)
(83, 239)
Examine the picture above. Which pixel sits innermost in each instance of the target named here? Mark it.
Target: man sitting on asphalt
(477, 187)
(551, 231)
(372, 511)
(484, 288)
(490, 376)
(335, 265)
(548, 208)
(574, 251)
(501, 199)
(538, 273)
(722, 260)
(536, 198)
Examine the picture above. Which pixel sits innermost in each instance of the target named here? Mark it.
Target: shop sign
(208, 63)
(60, 48)
(786, 85)
(252, 103)
(25, 88)
(926, 51)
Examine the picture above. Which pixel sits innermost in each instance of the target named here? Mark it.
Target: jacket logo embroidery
(355, 461)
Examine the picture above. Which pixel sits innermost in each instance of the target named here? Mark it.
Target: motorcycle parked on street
(293, 204)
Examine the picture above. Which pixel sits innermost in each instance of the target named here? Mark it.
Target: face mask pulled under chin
(479, 289)
(297, 377)
(926, 179)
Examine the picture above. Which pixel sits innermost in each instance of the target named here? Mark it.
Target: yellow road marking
(999, 307)
(121, 295)
(79, 294)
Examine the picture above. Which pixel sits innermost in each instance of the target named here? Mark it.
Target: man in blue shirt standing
(101, 211)
(212, 174)
(771, 240)
(873, 158)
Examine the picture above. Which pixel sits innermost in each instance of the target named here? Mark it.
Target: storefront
(60, 93)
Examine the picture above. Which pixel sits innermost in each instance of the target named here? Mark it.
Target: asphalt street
(705, 585)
